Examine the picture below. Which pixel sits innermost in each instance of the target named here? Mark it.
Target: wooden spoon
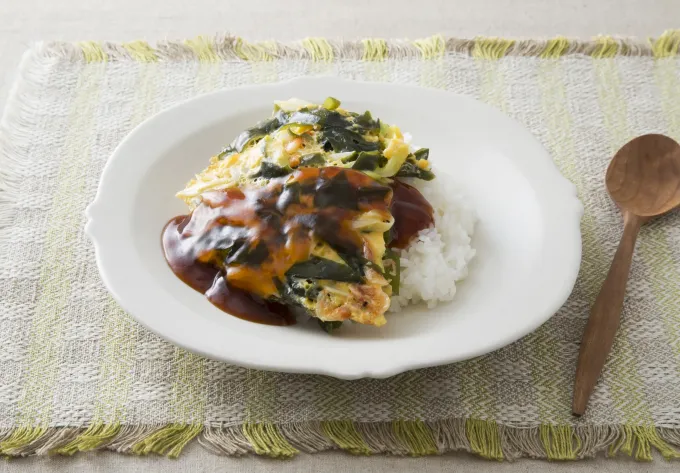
(643, 179)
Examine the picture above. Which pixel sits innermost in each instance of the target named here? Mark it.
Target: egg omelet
(297, 210)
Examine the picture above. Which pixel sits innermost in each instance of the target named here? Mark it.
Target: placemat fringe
(484, 438)
(266, 439)
(225, 47)
(169, 440)
(232, 441)
(93, 437)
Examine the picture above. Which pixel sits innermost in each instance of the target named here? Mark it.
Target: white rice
(439, 256)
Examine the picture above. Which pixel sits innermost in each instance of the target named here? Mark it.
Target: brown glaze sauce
(208, 279)
(237, 244)
(411, 212)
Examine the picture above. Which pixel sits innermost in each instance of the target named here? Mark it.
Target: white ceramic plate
(527, 239)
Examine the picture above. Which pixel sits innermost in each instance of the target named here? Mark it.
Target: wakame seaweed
(312, 160)
(322, 268)
(408, 169)
(250, 255)
(422, 153)
(328, 327)
(342, 139)
(369, 161)
(270, 170)
(258, 131)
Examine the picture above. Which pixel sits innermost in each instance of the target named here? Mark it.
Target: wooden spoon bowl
(644, 176)
(643, 179)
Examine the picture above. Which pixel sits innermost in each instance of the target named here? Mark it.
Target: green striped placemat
(76, 373)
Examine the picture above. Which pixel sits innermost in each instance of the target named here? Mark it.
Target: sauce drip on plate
(411, 212)
(236, 246)
(208, 279)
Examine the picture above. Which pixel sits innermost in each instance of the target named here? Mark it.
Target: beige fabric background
(23, 21)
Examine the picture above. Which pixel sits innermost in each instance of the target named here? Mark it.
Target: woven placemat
(76, 373)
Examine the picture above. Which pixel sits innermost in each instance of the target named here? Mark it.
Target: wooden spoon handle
(604, 317)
